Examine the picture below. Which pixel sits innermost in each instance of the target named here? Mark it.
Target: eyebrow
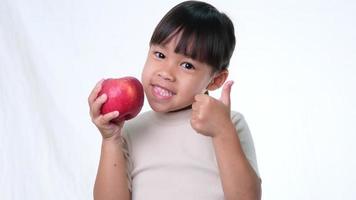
(160, 46)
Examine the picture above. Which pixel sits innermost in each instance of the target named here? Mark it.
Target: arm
(211, 117)
(111, 180)
(239, 180)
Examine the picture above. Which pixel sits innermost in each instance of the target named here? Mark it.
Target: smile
(162, 93)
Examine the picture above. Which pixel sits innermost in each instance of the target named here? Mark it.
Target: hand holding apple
(124, 95)
(121, 103)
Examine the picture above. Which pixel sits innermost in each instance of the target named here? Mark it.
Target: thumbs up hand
(209, 115)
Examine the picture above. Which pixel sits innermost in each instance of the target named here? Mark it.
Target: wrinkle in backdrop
(35, 164)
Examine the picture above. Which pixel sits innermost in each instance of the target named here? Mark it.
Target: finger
(225, 93)
(95, 108)
(105, 119)
(195, 106)
(94, 93)
(200, 97)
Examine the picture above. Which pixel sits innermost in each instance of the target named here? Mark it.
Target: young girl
(191, 146)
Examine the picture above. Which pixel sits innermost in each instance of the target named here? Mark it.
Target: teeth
(163, 92)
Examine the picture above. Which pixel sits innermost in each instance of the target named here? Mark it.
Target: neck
(181, 109)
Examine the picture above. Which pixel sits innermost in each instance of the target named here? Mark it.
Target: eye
(159, 55)
(187, 65)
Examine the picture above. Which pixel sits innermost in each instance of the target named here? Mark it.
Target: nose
(167, 74)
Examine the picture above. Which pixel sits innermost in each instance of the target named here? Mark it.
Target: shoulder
(140, 122)
(141, 118)
(241, 127)
(239, 121)
(236, 116)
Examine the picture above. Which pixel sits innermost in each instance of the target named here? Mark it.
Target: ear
(218, 80)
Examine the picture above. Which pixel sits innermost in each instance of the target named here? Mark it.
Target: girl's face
(171, 80)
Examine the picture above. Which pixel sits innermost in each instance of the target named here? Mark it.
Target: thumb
(225, 93)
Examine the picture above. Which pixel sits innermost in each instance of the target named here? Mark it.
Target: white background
(294, 71)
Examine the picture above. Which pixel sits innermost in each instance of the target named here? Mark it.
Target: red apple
(124, 95)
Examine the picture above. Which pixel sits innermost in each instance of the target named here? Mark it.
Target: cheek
(200, 84)
(146, 74)
(194, 87)
(143, 75)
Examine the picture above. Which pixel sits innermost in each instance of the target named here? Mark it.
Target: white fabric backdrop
(294, 70)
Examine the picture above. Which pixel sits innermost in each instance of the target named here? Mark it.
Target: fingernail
(116, 113)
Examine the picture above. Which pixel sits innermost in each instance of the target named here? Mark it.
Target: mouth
(161, 92)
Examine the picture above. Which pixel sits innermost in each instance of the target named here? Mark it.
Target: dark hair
(207, 35)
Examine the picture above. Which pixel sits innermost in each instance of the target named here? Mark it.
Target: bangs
(201, 36)
(193, 44)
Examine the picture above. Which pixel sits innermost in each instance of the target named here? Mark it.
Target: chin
(165, 109)
(162, 109)
(158, 108)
